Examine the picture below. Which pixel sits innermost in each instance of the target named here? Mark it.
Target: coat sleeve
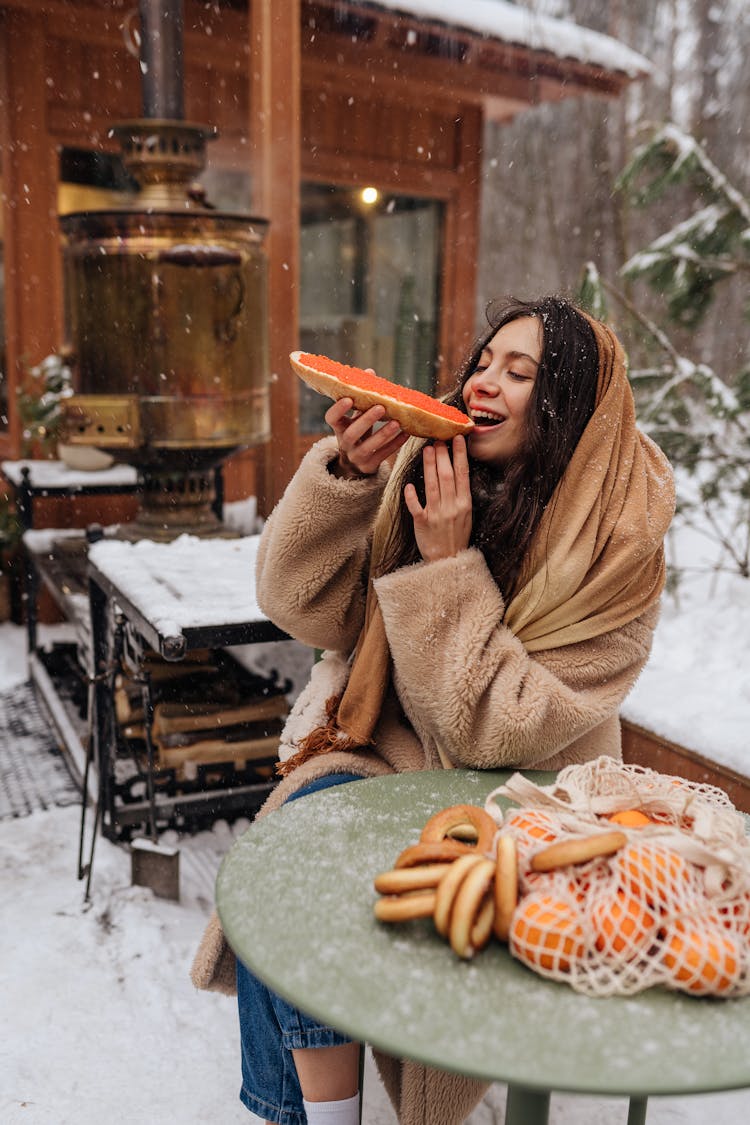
(468, 684)
(311, 572)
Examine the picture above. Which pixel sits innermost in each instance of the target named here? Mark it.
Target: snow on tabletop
(511, 24)
(55, 474)
(187, 583)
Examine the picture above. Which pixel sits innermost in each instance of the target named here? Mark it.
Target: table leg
(637, 1111)
(526, 1107)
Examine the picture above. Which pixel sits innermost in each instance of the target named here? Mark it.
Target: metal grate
(33, 774)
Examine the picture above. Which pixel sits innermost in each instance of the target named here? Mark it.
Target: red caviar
(366, 381)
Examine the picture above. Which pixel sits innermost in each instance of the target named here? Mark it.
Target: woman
(486, 605)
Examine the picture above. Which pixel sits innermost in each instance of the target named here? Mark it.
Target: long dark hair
(509, 502)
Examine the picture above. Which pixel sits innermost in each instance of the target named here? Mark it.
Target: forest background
(550, 197)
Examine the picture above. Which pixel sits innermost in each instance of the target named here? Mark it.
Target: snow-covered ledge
(56, 474)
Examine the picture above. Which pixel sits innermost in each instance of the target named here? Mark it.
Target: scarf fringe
(320, 740)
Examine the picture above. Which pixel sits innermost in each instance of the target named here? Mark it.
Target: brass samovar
(166, 309)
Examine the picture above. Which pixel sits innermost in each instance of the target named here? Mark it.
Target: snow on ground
(695, 689)
(101, 1023)
(99, 1019)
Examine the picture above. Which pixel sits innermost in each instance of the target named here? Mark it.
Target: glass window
(92, 181)
(369, 271)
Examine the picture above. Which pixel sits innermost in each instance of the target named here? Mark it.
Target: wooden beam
(276, 156)
(215, 35)
(461, 250)
(32, 266)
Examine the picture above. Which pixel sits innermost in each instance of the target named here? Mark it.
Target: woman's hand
(362, 448)
(442, 527)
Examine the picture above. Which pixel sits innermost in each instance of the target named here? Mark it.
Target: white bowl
(84, 458)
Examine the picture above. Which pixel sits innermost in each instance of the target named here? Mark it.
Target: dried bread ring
(439, 851)
(406, 907)
(506, 885)
(468, 904)
(403, 879)
(458, 816)
(481, 931)
(578, 850)
(448, 887)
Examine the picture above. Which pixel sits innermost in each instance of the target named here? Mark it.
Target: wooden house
(314, 102)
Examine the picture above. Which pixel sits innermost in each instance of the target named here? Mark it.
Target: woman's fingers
(336, 413)
(461, 472)
(363, 443)
(411, 500)
(445, 473)
(443, 526)
(431, 482)
(451, 472)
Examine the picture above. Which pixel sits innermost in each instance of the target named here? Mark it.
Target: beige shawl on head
(596, 561)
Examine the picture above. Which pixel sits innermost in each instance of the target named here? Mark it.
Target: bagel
(578, 850)
(506, 885)
(439, 851)
(406, 907)
(458, 817)
(403, 879)
(418, 414)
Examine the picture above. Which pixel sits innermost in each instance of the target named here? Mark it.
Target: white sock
(345, 1112)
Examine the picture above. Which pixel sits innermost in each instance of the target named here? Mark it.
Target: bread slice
(417, 413)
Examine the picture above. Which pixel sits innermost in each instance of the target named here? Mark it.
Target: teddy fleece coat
(461, 681)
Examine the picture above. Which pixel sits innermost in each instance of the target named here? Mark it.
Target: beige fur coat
(462, 682)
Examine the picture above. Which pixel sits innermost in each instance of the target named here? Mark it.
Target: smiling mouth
(482, 419)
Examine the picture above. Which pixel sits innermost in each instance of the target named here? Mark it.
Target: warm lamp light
(370, 195)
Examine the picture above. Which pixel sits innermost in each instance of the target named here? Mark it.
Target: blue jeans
(270, 1029)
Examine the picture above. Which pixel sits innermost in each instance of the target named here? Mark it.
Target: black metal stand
(122, 810)
(27, 491)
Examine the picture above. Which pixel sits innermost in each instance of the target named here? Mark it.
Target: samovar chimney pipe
(167, 312)
(161, 51)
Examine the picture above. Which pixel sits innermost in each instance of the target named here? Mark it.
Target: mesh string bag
(670, 907)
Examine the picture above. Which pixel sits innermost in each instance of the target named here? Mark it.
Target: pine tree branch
(684, 369)
(661, 337)
(688, 144)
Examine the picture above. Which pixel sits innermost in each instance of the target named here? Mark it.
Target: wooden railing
(643, 747)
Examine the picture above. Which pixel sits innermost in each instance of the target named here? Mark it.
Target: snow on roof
(509, 23)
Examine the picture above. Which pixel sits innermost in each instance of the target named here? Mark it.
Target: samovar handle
(233, 287)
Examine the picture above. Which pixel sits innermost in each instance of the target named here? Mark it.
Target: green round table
(295, 898)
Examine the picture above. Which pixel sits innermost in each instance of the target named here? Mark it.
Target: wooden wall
(69, 76)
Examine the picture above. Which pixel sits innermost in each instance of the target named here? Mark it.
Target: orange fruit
(622, 925)
(701, 957)
(534, 824)
(551, 883)
(736, 914)
(652, 872)
(546, 932)
(630, 818)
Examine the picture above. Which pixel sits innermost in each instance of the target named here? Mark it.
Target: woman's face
(498, 392)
